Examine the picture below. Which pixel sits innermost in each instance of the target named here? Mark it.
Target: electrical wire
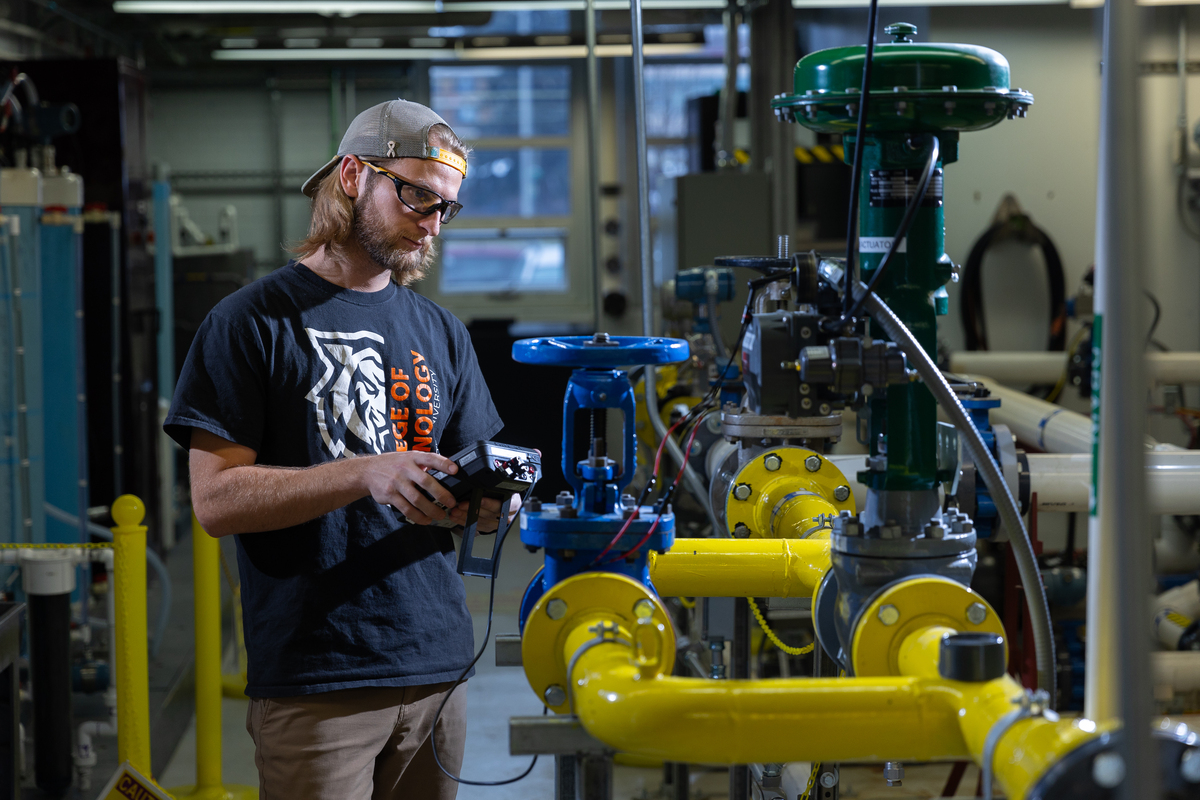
(775, 640)
(1076, 340)
(860, 135)
(462, 677)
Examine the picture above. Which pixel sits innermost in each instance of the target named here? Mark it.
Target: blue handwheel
(600, 351)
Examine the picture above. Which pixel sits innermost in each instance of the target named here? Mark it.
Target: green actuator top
(915, 86)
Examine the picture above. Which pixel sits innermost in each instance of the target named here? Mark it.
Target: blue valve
(576, 532)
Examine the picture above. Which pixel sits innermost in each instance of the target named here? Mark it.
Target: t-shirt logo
(351, 394)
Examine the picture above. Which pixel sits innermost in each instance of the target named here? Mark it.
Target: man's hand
(396, 479)
(489, 512)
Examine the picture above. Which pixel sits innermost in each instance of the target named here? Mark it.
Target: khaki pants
(358, 744)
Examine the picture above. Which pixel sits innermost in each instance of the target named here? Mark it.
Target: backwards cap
(395, 129)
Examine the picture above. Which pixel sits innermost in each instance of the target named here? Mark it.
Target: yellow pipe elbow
(740, 567)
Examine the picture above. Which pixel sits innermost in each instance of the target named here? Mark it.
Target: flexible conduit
(1035, 593)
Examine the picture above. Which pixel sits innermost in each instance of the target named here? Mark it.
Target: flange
(580, 600)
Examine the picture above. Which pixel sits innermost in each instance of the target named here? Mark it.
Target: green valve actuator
(918, 90)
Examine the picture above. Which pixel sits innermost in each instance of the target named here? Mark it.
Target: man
(313, 402)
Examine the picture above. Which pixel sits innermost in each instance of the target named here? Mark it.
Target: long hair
(333, 212)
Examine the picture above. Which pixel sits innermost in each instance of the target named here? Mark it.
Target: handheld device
(488, 469)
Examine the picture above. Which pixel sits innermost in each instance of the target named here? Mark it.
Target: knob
(974, 657)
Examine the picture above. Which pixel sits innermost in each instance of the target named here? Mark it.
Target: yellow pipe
(911, 717)
(132, 661)
(740, 567)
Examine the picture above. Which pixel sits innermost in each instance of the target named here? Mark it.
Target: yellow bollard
(133, 657)
(207, 590)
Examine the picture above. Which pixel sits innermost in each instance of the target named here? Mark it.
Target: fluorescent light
(336, 54)
(433, 41)
(329, 8)
(295, 44)
(349, 8)
(365, 42)
(444, 54)
(911, 3)
(542, 41)
(239, 44)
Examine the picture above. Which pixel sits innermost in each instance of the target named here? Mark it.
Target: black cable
(463, 675)
(1019, 228)
(910, 213)
(860, 132)
(1157, 316)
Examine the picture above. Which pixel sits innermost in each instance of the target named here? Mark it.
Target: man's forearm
(254, 498)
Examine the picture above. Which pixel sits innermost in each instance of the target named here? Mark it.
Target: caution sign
(129, 784)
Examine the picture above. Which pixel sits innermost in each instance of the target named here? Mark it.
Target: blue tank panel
(24, 519)
(63, 374)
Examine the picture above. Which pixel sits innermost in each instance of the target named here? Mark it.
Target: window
(514, 235)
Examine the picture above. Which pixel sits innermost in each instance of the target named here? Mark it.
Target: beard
(383, 245)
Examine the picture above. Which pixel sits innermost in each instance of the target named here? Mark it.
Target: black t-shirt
(302, 372)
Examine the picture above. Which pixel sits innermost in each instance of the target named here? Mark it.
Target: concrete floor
(497, 693)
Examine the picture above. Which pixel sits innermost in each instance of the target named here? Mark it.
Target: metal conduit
(1035, 593)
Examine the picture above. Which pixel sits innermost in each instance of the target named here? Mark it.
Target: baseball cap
(395, 129)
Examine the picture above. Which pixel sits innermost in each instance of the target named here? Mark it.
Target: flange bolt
(893, 773)
(554, 695)
(976, 613)
(1108, 770)
(772, 462)
(564, 498)
(643, 609)
(556, 609)
(812, 463)
(1189, 765)
(889, 614)
(829, 779)
(742, 491)
(841, 493)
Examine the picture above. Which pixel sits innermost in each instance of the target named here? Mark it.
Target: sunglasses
(418, 198)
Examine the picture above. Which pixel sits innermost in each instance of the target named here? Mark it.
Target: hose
(1035, 593)
(160, 569)
(694, 484)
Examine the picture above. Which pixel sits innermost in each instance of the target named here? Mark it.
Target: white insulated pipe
(1022, 368)
(1063, 481)
(1037, 423)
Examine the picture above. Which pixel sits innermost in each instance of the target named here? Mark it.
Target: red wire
(657, 460)
(678, 475)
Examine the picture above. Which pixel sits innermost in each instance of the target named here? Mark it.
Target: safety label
(894, 188)
(880, 244)
(129, 784)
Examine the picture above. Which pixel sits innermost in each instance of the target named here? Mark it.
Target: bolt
(556, 609)
(1108, 770)
(740, 531)
(1189, 766)
(564, 498)
(806, 403)
(534, 504)
(554, 695)
(812, 463)
(890, 531)
(824, 409)
(893, 771)
(976, 613)
(805, 388)
(841, 493)
(772, 463)
(742, 491)
(643, 609)
(806, 333)
(889, 614)
(829, 779)
(628, 501)
(935, 530)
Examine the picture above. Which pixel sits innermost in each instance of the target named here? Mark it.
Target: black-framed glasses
(418, 198)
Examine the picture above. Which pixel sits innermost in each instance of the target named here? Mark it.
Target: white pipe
(1183, 604)
(1178, 670)
(1063, 481)
(1018, 368)
(1037, 423)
